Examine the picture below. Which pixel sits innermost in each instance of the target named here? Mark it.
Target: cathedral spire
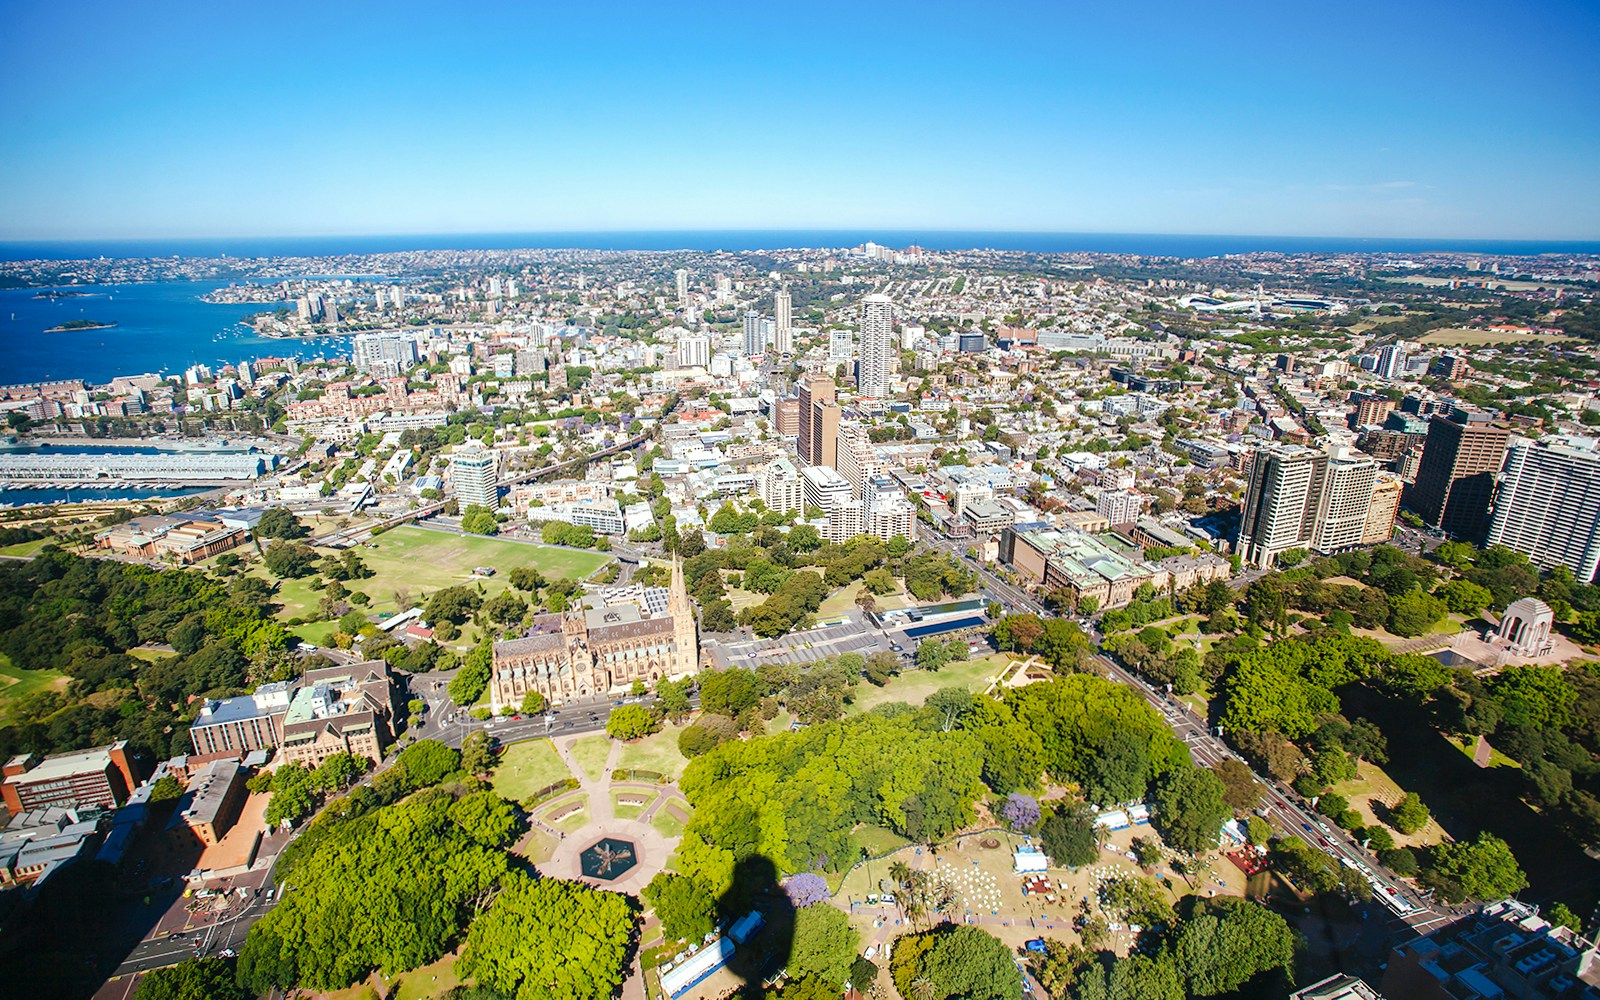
(677, 593)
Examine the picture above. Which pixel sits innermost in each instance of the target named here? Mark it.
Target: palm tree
(900, 872)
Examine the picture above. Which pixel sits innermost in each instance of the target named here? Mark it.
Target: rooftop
(68, 764)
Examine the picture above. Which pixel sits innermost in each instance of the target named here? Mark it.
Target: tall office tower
(1281, 503)
(377, 300)
(840, 345)
(1455, 481)
(398, 296)
(782, 322)
(857, 459)
(472, 474)
(1548, 505)
(724, 285)
(817, 439)
(694, 351)
(511, 288)
(1385, 506)
(1346, 497)
(681, 276)
(494, 287)
(1391, 361)
(330, 311)
(754, 341)
(302, 308)
(877, 346)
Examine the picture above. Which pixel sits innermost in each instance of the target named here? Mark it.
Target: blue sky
(1399, 119)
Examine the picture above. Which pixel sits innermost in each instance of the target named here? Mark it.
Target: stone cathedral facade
(582, 653)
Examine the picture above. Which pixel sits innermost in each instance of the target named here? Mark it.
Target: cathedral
(586, 652)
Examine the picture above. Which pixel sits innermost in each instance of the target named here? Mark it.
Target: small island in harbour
(73, 325)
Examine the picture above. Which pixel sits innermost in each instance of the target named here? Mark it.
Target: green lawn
(590, 753)
(526, 767)
(666, 824)
(536, 846)
(316, 633)
(18, 683)
(655, 753)
(573, 822)
(878, 841)
(149, 655)
(429, 981)
(25, 548)
(914, 686)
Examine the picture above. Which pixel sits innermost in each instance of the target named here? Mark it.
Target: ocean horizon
(747, 240)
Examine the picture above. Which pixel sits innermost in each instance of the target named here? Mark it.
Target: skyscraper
(1391, 361)
(1547, 505)
(1381, 512)
(1346, 495)
(817, 440)
(681, 279)
(1281, 502)
(1455, 482)
(472, 473)
(877, 346)
(782, 323)
(754, 341)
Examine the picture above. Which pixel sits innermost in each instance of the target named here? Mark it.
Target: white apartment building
(824, 488)
(1120, 506)
(779, 487)
(694, 351)
(855, 458)
(1547, 504)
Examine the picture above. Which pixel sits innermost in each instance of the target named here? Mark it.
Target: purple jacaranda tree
(1021, 812)
(806, 889)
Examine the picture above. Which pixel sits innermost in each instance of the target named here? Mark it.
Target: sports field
(1463, 337)
(420, 559)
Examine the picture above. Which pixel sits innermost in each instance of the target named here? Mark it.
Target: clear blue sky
(1462, 119)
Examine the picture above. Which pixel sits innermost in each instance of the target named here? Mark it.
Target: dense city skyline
(364, 120)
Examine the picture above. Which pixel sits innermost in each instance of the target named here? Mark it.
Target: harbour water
(161, 326)
(18, 498)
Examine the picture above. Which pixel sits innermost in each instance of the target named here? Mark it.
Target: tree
(1409, 814)
(470, 681)
(340, 770)
(972, 964)
(729, 692)
(290, 560)
(487, 818)
(1478, 870)
(526, 578)
(505, 608)
(1227, 942)
(1189, 809)
(1069, 836)
(718, 616)
(1021, 812)
(550, 938)
(166, 788)
(824, 944)
(479, 520)
(427, 762)
(806, 889)
(534, 703)
(632, 722)
(1414, 612)
(194, 979)
(478, 753)
(278, 522)
(1240, 790)
(686, 910)
(1464, 597)
(453, 604)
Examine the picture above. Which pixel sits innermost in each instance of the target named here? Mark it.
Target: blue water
(17, 498)
(161, 326)
(1148, 244)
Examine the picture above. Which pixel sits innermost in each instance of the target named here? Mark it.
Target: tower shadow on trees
(766, 952)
